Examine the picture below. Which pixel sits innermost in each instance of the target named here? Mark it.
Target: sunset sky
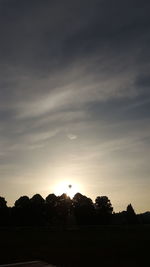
(75, 99)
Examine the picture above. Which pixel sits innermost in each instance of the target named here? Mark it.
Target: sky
(75, 99)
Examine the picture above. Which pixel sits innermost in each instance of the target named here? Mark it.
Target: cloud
(72, 136)
(77, 87)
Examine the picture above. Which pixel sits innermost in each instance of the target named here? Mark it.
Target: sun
(67, 187)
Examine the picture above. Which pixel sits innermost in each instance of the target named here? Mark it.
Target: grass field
(121, 246)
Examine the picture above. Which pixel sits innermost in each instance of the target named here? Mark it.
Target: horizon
(74, 99)
(71, 197)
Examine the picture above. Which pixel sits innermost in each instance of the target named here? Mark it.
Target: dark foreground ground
(28, 264)
(121, 246)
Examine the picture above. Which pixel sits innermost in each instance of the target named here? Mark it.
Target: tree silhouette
(22, 202)
(131, 215)
(3, 202)
(63, 211)
(64, 204)
(37, 200)
(4, 212)
(83, 209)
(38, 209)
(51, 202)
(21, 212)
(104, 209)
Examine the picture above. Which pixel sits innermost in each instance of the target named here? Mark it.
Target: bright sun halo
(69, 188)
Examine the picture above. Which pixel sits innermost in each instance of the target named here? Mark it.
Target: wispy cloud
(72, 136)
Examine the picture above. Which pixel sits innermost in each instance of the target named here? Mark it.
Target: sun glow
(68, 187)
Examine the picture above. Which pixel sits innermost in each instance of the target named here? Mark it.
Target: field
(121, 246)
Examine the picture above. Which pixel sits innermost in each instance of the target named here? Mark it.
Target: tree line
(63, 211)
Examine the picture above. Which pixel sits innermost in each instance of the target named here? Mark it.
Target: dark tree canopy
(4, 212)
(130, 210)
(3, 202)
(63, 208)
(131, 215)
(51, 200)
(84, 209)
(63, 211)
(104, 209)
(37, 199)
(22, 202)
(103, 204)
